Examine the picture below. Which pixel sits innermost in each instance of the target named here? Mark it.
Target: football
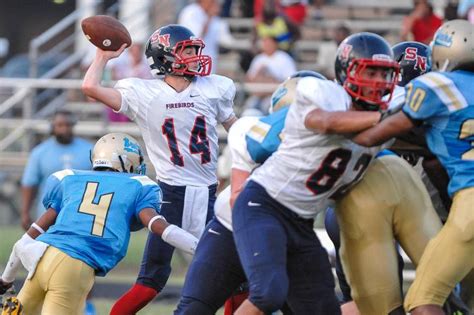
(105, 32)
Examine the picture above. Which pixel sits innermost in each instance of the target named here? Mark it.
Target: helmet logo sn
(411, 54)
(161, 39)
(346, 51)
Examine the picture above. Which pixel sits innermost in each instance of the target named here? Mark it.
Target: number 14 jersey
(309, 169)
(179, 129)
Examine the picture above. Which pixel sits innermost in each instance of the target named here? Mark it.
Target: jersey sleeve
(313, 93)
(226, 101)
(238, 147)
(150, 195)
(429, 96)
(53, 194)
(131, 97)
(32, 174)
(398, 98)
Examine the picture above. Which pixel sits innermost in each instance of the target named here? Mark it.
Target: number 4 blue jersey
(95, 211)
(444, 101)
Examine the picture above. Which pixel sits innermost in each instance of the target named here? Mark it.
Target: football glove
(12, 306)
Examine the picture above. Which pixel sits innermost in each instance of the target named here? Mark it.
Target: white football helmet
(120, 152)
(452, 47)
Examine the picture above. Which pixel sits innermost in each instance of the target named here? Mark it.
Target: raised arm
(91, 86)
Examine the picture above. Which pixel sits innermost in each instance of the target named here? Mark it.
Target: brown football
(105, 32)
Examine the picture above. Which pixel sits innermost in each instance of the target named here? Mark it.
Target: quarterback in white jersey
(273, 216)
(179, 129)
(177, 116)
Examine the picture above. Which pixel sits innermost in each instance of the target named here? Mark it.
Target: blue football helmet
(414, 59)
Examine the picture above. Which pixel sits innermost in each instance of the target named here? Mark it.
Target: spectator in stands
(294, 10)
(62, 150)
(202, 18)
(466, 10)
(270, 66)
(269, 23)
(131, 64)
(273, 24)
(327, 51)
(422, 23)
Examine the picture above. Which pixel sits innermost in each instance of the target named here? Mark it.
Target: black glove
(4, 286)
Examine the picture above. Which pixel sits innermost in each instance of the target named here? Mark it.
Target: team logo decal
(129, 146)
(443, 39)
(161, 39)
(411, 54)
(345, 51)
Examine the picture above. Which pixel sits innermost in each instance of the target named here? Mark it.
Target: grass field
(124, 273)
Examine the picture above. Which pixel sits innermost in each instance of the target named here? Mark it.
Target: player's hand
(4, 286)
(384, 114)
(107, 55)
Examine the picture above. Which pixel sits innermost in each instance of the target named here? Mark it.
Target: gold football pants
(448, 258)
(389, 204)
(59, 286)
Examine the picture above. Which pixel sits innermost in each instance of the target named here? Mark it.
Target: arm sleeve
(226, 102)
(129, 89)
(313, 93)
(53, 193)
(32, 174)
(238, 146)
(150, 197)
(422, 102)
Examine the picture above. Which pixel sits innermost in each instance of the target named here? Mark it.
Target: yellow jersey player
(442, 102)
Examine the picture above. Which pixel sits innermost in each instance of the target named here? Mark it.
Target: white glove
(30, 252)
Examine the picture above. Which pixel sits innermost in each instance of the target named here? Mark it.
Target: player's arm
(229, 122)
(237, 181)
(28, 194)
(91, 85)
(170, 233)
(36, 229)
(340, 122)
(395, 125)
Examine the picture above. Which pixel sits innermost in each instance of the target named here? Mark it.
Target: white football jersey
(179, 129)
(240, 160)
(309, 169)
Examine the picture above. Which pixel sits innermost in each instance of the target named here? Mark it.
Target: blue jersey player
(86, 228)
(443, 103)
(215, 271)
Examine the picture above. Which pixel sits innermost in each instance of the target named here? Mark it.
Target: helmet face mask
(168, 53)
(358, 55)
(119, 152)
(371, 91)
